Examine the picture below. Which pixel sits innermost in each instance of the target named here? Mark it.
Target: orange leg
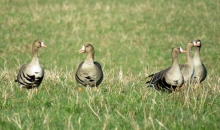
(36, 90)
(79, 89)
(95, 89)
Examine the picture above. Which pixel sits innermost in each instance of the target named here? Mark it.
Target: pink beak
(81, 51)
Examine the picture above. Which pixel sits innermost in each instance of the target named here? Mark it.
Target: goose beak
(82, 50)
(43, 45)
(181, 50)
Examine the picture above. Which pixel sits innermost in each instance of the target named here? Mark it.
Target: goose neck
(174, 60)
(197, 52)
(35, 55)
(90, 56)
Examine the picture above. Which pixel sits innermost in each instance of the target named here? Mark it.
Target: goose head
(198, 43)
(37, 44)
(177, 50)
(87, 48)
(191, 44)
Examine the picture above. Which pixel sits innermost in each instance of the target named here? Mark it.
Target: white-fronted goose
(200, 71)
(171, 78)
(89, 73)
(187, 69)
(31, 75)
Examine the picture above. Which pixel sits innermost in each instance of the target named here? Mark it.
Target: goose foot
(36, 90)
(95, 89)
(80, 89)
(200, 85)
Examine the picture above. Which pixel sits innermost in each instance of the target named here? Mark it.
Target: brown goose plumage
(89, 73)
(171, 78)
(187, 69)
(200, 71)
(31, 75)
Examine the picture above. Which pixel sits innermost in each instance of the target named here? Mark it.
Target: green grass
(134, 37)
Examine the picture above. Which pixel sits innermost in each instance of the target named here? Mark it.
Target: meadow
(132, 39)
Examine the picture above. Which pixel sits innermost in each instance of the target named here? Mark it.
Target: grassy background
(132, 37)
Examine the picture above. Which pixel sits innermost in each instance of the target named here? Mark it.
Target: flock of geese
(174, 77)
(90, 74)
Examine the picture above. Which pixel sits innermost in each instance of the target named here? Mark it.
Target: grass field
(130, 37)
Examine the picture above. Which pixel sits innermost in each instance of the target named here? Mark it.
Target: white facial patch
(198, 42)
(83, 48)
(181, 50)
(42, 44)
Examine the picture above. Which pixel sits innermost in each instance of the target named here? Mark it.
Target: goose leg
(95, 88)
(36, 90)
(200, 85)
(20, 89)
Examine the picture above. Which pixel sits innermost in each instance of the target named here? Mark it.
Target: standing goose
(171, 78)
(200, 71)
(187, 69)
(31, 75)
(89, 73)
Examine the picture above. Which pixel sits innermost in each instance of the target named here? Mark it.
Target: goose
(171, 78)
(31, 75)
(187, 69)
(89, 72)
(200, 71)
